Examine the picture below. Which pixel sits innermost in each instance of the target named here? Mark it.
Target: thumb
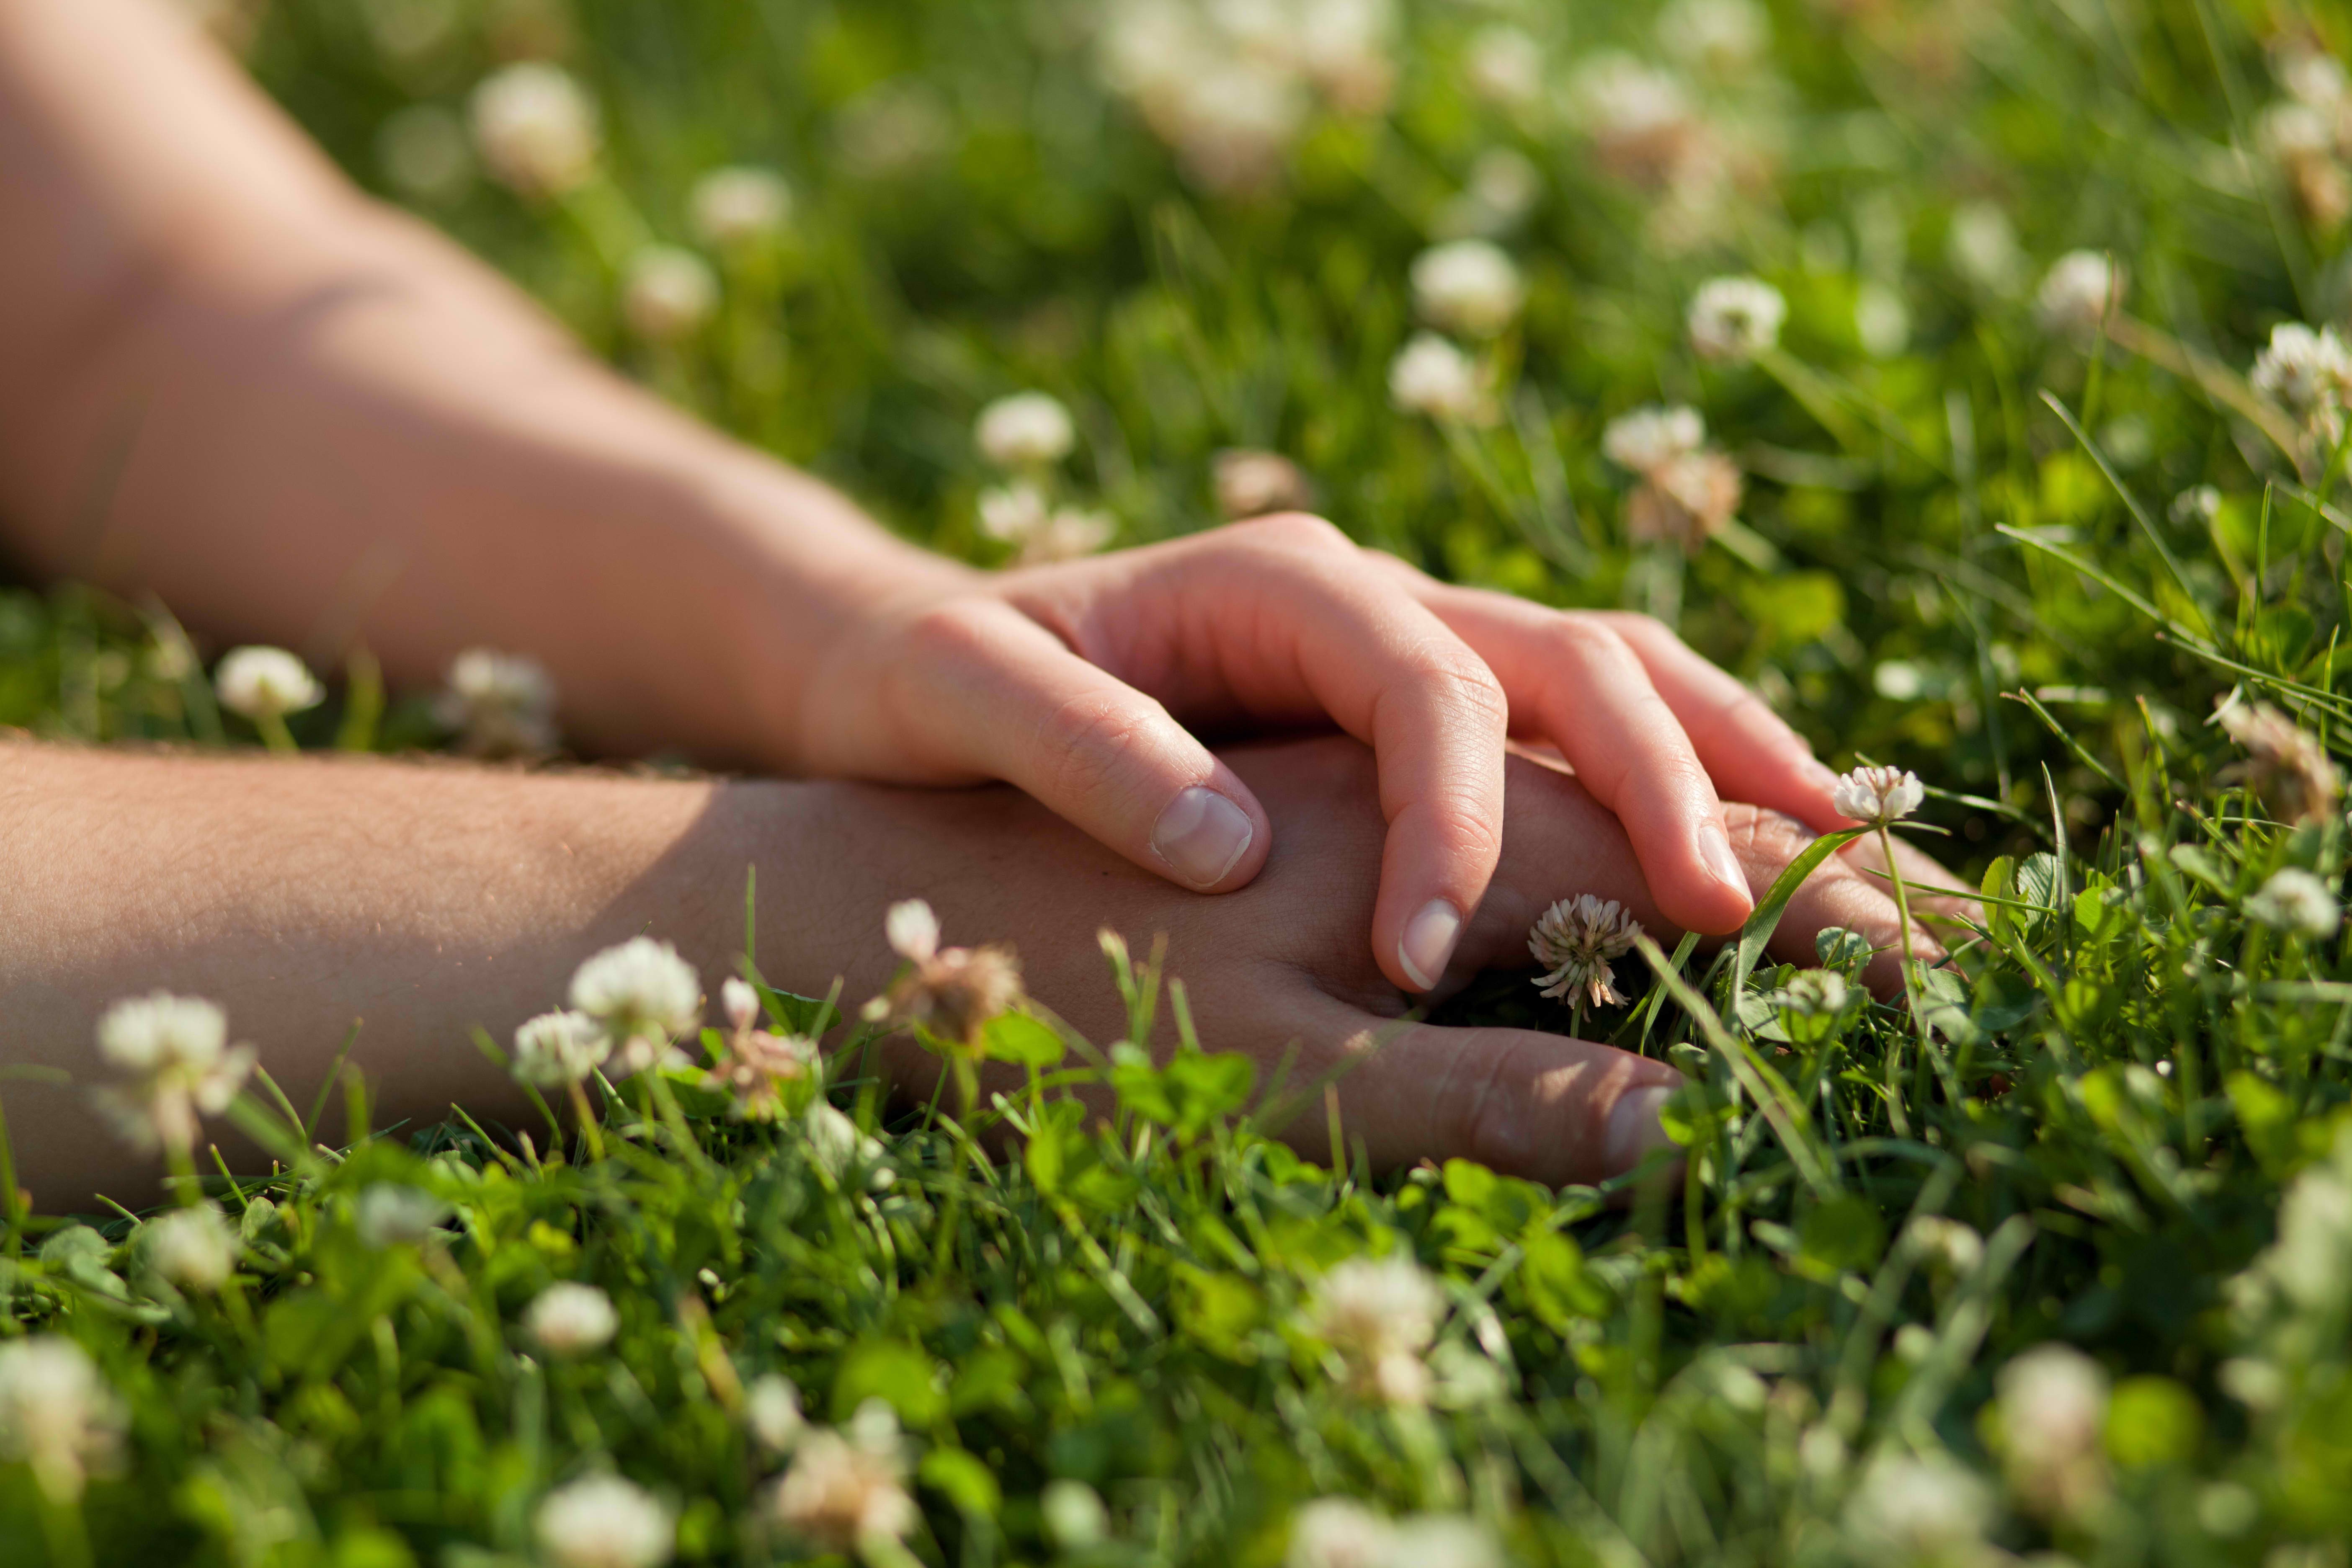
(994, 692)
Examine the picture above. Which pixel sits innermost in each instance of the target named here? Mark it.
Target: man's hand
(1088, 684)
(1281, 964)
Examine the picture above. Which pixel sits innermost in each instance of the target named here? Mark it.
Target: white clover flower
(1981, 247)
(1906, 1510)
(559, 1048)
(837, 1146)
(643, 995)
(1440, 1541)
(1254, 484)
(1957, 1244)
(1026, 430)
(569, 1319)
(2290, 131)
(2198, 503)
(2313, 77)
(772, 1409)
(668, 295)
(2052, 1404)
(1338, 1532)
(1648, 439)
(1503, 188)
(1467, 286)
(843, 1492)
(2305, 372)
(1018, 515)
(388, 1213)
(1721, 36)
(1736, 318)
(1504, 66)
(1876, 796)
(1643, 124)
(1576, 941)
(58, 1416)
(497, 704)
(1074, 1513)
(1380, 1316)
(423, 154)
(535, 130)
(2082, 289)
(740, 1002)
(177, 1066)
(2292, 899)
(1344, 47)
(604, 1521)
(264, 683)
(912, 931)
(2311, 1261)
(191, 1248)
(734, 208)
(1432, 377)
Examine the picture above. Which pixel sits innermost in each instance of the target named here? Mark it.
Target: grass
(2117, 1125)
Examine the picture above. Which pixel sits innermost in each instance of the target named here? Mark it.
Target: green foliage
(2121, 1119)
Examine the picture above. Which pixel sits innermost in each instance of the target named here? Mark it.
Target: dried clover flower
(951, 992)
(843, 1492)
(1576, 941)
(2285, 764)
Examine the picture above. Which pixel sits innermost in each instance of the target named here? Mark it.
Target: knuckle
(1756, 833)
(1084, 744)
(1295, 530)
(1633, 626)
(1581, 640)
(956, 631)
(1469, 832)
(1463, 689)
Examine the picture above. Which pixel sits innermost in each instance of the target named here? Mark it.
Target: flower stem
(1902, 913)
(274, 734)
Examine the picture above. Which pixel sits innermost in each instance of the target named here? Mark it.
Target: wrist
(812, 577)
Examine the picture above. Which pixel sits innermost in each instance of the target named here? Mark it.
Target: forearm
(350, 431)
(418, 900)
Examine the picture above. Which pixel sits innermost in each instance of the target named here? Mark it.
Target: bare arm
(299, 416)
(430, 898)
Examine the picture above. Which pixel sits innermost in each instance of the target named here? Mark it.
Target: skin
(353, 433)
(429, 898)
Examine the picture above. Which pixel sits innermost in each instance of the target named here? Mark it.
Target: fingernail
(1716, 848)
(1428, 942)
(1819, 774)
(1633, 1126)
(1201, 836)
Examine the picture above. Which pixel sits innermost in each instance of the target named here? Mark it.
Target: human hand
(1280, 965)
(1087, 683)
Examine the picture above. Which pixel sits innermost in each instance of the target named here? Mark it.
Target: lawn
(1961, 375)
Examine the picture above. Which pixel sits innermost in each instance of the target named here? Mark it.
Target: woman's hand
(1279, 965)
(1088, 684)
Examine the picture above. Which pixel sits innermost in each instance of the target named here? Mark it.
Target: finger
(1301, 607)
(1560, 841)
(989, 689)
(1748, 750)
(1537, 1106)
(1751, 751)
(1576, 683)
